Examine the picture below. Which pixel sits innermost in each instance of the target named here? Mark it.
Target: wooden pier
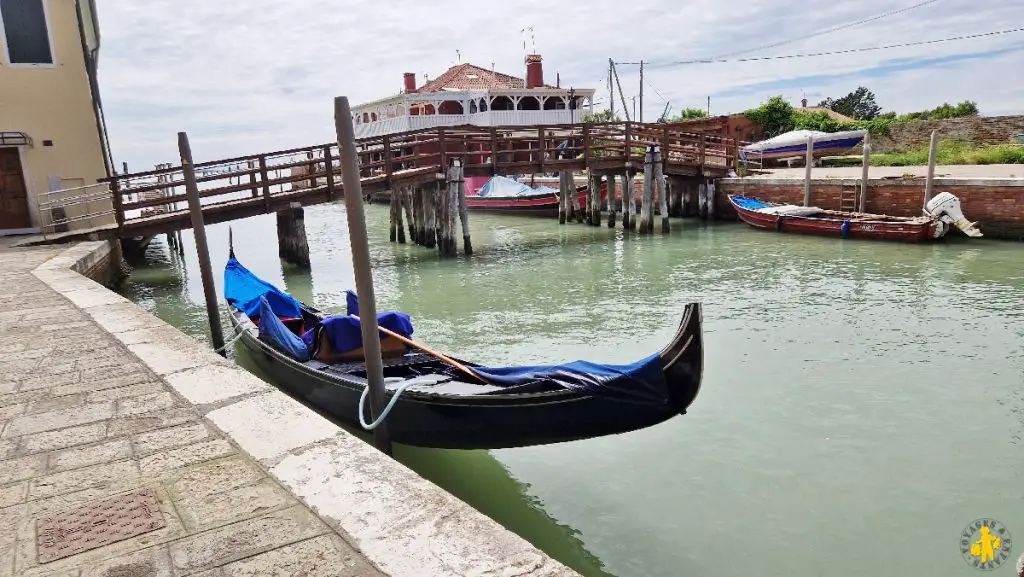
(154, 202)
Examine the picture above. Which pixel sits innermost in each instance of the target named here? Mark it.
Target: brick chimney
(410, 82)
(534, 71)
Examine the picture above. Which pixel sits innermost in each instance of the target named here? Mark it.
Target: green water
(862, 401)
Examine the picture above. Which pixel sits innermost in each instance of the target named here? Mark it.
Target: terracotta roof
(470, 77)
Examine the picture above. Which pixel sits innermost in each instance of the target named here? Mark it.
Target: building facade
(52, 134)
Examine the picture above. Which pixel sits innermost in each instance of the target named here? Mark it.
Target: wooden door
(13, 195)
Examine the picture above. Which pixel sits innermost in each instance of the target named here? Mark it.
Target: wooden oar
(430, 352)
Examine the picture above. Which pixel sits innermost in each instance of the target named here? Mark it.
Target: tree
(690, 114)
(859, 104)
(603, 116)
(774, 117)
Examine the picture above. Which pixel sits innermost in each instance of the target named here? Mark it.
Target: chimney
(803, 103)
(534, 71)
(410, 82)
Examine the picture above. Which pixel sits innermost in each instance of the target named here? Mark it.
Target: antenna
(458, 54)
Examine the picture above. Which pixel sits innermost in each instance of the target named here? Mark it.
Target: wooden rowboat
(811, 220)
(434, 403)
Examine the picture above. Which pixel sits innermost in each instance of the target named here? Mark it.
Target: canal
(862, 401)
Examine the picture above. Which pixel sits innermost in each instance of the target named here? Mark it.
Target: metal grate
(98, 524)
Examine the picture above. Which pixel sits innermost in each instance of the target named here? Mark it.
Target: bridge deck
(154, 202)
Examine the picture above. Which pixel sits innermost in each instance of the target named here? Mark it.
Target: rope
(421, 380)
(230, 342)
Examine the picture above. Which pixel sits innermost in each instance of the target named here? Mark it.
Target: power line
(829, 53)
(821, 32)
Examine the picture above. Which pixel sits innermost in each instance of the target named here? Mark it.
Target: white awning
(15, 139)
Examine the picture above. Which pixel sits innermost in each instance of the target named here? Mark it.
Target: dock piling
(611, 200)
(361, 267)
(467, 242)
(393, 217)
(420, 214)
(594, 215)
(203, 251)
(405, 193)
(646, 225)
(660, 180)
(933, 153)
(574, 197)
(430, 194)
(807, 174)
(865, 166)
(563, 198)
(292, 246)
(446, 211)
(628, 201)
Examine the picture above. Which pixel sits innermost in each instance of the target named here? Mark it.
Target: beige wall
(54, 103)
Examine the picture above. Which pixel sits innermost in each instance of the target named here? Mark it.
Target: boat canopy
(500, 186)
(243, 290)
(796, 140)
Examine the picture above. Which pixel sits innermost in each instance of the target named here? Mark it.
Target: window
(26, 35)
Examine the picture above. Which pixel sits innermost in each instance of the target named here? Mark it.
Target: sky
(261, 75)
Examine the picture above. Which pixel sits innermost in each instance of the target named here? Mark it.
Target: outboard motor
(946, 208)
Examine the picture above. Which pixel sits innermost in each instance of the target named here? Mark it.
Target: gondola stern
(683, 359)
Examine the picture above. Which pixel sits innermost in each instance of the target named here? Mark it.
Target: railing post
(329, 169)
(312, 168)
(586, 146)
(252, 179)
(703, 148)
(118, 203)
(266, 187)
(664, 147)
(629, 146)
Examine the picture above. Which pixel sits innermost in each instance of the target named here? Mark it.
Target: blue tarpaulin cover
(243, 290)
(642, 382)
(345, 333)
(749, 203)
(273, 331)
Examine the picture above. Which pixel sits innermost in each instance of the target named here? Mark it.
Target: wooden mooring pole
(933, 153)
(574, 197)
(594, 214)
(611, 200)
(467, 242)
(646, 224)
(563, 198)
(807, 173)
(447, 209)
(628, 201)
(662, 190)
(419, 214)
(405, 193)
(430, 215)
(292, 246)
(393, 216)
(865, 166)
(202, 250)
(361, 268)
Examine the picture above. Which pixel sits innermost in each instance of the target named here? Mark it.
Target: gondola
(446, 402)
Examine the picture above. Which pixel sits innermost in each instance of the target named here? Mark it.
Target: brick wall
(997, 205)
(972, 129)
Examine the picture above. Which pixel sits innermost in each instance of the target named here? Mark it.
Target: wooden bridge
(154, 202)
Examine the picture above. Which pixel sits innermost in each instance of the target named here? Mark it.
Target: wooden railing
(262, 182)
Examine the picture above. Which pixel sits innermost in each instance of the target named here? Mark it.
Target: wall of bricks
(996, 204)
(972, 129)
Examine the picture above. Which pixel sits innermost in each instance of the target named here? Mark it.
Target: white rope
(421, 380)
(230, 342)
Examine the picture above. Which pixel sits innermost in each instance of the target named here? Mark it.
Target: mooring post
(595, 199)
(710, 188)
(611, 200)
(574, 196)
(399, 205)
(933, 153)
(662, 190)
(446, 210)
(430, 214)
(645, 201)
(202, 250)
(467, 242)
(361, 268)
(628, 201)
(865, 165)
(807, 175)
(291, 235)
(406, 193)
(563, 198)
(418, 211)
(393, 216)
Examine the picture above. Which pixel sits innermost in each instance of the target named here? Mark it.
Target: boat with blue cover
(434, 400)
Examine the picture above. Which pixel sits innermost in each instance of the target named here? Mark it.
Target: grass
(950, 152)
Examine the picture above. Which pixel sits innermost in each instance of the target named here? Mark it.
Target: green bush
(949, 152)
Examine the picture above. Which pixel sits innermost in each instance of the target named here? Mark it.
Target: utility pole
(641, 117)
(611, 90)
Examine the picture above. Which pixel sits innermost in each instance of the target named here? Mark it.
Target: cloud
(261, 75)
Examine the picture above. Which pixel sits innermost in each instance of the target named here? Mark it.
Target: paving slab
(99, 400)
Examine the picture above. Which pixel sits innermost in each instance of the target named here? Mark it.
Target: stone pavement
(82, 419)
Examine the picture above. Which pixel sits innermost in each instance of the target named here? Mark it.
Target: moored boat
(438, 401)
(943, 212)
(794, 143)
(504, 195)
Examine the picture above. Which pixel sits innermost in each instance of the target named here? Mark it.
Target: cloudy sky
(260, 75)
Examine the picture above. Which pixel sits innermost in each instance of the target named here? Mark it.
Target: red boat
(506, 196)
(812, 220)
